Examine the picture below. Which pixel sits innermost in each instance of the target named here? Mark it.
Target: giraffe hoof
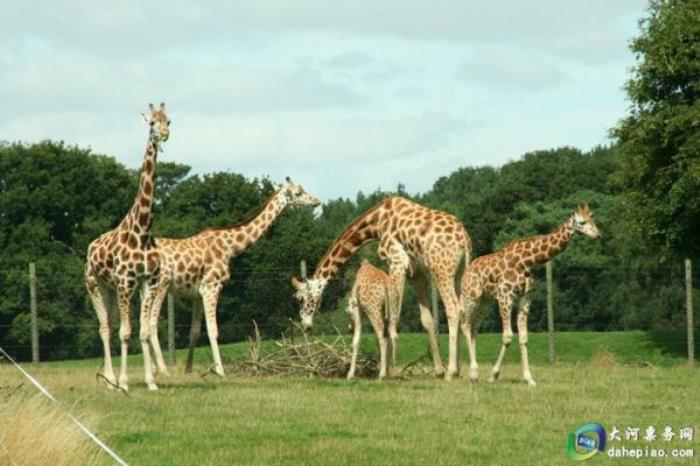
(439, 372)
(474, 375)
(219, 371)
(449, 375)
(531, 383)
(493, 378)
(152, 387)
(124, 386)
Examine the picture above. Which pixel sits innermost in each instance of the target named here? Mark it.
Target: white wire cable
(48, 395)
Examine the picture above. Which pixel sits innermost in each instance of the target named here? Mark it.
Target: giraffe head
(295, 194)
(159, 122)
(309, 293)
(584, 223)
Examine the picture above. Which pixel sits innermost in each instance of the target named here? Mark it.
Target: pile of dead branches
(301, 357)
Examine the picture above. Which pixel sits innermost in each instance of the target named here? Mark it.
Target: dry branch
(290, 357)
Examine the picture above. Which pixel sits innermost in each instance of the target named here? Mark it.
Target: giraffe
(377, 295)
(506, 276)
(414, 240)
(125, 258)
(199, 265)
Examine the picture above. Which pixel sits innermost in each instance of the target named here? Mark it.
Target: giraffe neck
(363, 230)
(241, 236)
(557, 240)
(140, 217)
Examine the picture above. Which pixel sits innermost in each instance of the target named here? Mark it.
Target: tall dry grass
(35, 432)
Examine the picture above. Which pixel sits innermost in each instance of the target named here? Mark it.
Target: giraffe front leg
(147, 294)
(504, 305)
(524, 309)
(98, 296)
(124, 293)
(210, 297)
(356, 322)
(160, 293)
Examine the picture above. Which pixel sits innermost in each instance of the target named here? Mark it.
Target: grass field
(616, 379)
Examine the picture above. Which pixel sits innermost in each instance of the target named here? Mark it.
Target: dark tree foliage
(55, 199)
(660, 137)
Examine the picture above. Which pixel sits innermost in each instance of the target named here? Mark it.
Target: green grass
(418, 420)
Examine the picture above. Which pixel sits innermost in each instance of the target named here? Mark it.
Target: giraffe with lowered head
(125, 259)
(199, 265)
(412, 239)
(506, 275)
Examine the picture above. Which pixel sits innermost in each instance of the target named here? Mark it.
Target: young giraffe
(376, 294)
(125, 258)
(410, 236)
(199, 265)
(506, 276)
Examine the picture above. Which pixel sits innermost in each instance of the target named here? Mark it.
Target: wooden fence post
(171, 329)
(34, 313)
(689, 311)
(550, 311)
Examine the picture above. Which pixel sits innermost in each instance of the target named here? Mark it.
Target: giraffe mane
(249, 219)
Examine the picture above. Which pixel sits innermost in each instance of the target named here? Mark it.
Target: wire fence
(578, 297)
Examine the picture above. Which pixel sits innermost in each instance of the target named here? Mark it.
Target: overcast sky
(341, 95)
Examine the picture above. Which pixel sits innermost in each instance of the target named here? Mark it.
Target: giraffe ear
(296, 283)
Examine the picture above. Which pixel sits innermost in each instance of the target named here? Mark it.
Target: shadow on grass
(671, 343)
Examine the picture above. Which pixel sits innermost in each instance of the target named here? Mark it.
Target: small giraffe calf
(506, 275)
(376, 294)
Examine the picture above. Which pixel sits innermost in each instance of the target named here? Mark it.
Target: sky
(343, 96)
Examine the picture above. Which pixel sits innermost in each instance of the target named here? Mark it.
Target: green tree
(660, 138)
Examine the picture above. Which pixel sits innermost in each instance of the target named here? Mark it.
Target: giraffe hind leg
(210, 298)
(505, 304)
(523, 311)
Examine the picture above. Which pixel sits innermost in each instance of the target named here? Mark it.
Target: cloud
(347, 95)
(508, 69)
(311, 141)
(63, 82)
(127, 29)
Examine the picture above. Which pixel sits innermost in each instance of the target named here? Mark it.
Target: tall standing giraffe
(126, 258)
(199, 265)
(430, 243)
(506, 275)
